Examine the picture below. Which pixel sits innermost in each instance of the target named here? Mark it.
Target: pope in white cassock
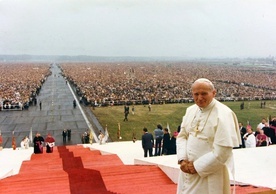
(209, 131)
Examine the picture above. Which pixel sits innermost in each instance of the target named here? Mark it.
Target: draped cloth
(210, 148)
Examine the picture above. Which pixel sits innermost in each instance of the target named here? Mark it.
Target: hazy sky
(186, 28)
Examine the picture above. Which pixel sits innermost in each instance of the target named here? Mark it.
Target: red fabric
(261, 138)
(49, 139)
(74, 169)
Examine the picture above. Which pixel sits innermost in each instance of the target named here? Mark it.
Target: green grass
(171, 114)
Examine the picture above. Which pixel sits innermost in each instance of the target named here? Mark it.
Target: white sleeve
(181, 144)
(212, 161)
(251, 140)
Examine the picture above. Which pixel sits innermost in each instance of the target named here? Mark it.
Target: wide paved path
(57, 113)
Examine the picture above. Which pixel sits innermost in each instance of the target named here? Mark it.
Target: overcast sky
(186, 28)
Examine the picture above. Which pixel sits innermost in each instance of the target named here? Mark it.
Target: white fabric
(250, 141)
(209, 149)
(247, 161)
(27, 142)
(212, 161)
(51, 144)
(22, 144)
(260, 125)
(101, 139)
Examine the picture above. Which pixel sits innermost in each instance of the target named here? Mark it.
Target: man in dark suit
(69, 134)
(147, 142)
(242, 131)
(64, 134)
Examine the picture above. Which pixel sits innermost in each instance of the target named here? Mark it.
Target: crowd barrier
(11, 107)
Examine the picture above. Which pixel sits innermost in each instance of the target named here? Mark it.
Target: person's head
(263, 120)
(166, 130)
(145, 130)
(203, 92)
(261, 131)
(159, 126)
(175, 134)
(240, 124)
(248, 129)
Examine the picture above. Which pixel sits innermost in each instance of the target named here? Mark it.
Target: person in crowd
(38, 143)
(126, 112)
(149, 107)
(83, 138)
(261, 125)
(261, 139)
(249, 137)
(209, 131)
(158, 135)
(132, 110)
(87, 137)
(272, 126)
(270, 133)
(147, 142)
(23, 143)
(166, 142)
(242, 106)
(35, 101)
(50, 143)
(64, 135)
(101, 138)
(172, 149)
(69, 134)
(74, 103)
(242, 131)
(27, 142)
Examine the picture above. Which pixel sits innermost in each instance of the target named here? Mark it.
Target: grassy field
(170, 114)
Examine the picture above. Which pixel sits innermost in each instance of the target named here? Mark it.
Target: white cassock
(209, 148)
(22, 144)
(250, 142)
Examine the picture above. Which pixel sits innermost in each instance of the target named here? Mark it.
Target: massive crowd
(156, 82)
(139, 82)
(20, 82)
